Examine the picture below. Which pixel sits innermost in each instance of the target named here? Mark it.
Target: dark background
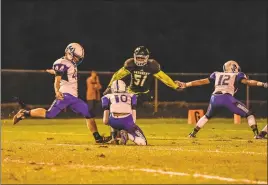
(183, 36)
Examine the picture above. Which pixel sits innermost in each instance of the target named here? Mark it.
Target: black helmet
(141, 56)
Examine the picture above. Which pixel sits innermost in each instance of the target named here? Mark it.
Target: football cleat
(191, 135)
(103, 139)
(124, 137)
(259, 137)
(18, 117)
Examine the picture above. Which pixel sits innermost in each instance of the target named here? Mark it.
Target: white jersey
(119, 102)
(226, 82)
(68, 71)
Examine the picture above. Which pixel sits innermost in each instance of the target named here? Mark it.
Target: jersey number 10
(123, 98)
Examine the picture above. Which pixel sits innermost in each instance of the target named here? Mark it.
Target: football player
(120, 113)
(262, 134)
(66, 91)
(225, 88)
(142, 71)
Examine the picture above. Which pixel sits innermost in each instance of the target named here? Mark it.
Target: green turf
(64, 152)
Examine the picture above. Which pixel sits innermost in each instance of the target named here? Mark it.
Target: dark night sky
(184, 36)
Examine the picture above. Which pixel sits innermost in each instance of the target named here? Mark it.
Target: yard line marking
(148, 137)
(148, 170)
(146, 147)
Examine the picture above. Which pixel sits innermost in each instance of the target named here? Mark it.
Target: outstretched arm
(166, 79)
(197, 82)
(254, 83)
(121, 73)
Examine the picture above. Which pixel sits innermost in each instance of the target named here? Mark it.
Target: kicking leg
(52, 112)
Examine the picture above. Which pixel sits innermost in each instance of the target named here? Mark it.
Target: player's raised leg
(52, 112)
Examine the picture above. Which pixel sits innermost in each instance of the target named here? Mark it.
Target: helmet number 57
(139, 79)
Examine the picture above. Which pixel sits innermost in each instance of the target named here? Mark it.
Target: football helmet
(75, 53)
(118, 86)
(231, 66)
(141, 56)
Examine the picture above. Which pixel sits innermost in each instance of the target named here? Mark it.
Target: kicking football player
(66, 91)
(262, 134)
(120, 113)
(225, 88)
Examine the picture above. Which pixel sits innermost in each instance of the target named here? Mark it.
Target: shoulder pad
(129, 63)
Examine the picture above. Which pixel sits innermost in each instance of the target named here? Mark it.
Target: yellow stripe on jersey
(166, 79)
(137, 93)
(121, 73)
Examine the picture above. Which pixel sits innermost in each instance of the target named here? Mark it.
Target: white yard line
(143, 147)
(148, 170)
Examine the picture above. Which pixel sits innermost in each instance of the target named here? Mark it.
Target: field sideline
(63, 151)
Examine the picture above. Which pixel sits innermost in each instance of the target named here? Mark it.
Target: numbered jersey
(68, 71)
(119, 102)
(226, 82)
(141, 76)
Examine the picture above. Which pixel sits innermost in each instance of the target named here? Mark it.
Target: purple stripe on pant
(228, 101)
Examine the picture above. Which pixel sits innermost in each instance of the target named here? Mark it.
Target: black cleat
(191, 135)
(103, 139)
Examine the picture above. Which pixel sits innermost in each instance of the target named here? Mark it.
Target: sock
(27, 113)
(114, 134)
(255, 129)
(202, 121)
(264, 129)
(97, 136)
(251, 120)
(196, 129)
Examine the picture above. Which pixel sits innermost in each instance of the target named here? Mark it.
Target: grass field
(63, 151)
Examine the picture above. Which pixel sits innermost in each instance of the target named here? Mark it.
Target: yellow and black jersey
(141, 76)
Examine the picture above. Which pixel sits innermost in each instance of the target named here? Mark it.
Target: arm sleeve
(212, 77)
(105, 102)
(60, 69)
(121, 73)
(166, 79)
(241, 76)
(134, 101)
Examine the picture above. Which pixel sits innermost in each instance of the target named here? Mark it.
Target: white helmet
(231, 66)
(118, 86)
(75, 53)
